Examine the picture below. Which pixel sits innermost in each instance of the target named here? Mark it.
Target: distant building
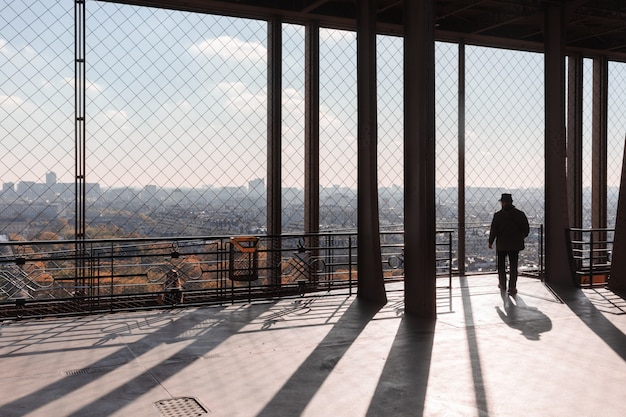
(256, 188)
(51, 179)
(8, 190)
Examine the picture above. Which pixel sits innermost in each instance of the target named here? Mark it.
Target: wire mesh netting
(447, 133)
(616, 136)
(36, 118)
(587, 139)
(390, 131)
(338, 129)
(176, 118)
(293, 128)
(504, 142)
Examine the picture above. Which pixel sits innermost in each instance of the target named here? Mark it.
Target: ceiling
(593, 27)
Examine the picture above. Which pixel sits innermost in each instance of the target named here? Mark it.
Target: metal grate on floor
(181, 407)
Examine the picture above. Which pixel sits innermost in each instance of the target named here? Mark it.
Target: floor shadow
(301, 387)
(480, 394)
(401, 389)
(530, 321)
(580, 304)
(112, 401)
(608, 301)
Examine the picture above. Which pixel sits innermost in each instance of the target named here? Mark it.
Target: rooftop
(540, 353)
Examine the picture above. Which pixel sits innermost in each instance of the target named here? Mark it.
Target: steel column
(312, 129)
(419, 159)
(274, 146)
(312, 138)
(575, 140)
(599, 144)
(599, 155)
(80, 133)
(558, 266)
(618, 262)
(461, 167)
(371, 285)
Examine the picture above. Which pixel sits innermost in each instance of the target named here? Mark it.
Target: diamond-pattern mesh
(504, 142)
(390, 78)
(616, 136)
(293, 128)
(446, 134)
(338, 129)
(177, 118)
(505, 119)
(36, 117)
(587, 139)
(176, 126)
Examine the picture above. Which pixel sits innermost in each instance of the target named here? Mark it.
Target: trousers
(513, 260)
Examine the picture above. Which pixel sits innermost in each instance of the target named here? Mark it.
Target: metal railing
(479, 259)
(393, 255)
(51, 278)
(590, 251)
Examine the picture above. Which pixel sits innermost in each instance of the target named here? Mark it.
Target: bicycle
(396, 261)
(302, 267)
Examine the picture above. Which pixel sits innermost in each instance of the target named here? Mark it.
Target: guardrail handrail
(590, 251)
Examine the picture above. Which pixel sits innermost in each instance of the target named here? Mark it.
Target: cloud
(11, 102)
(227, 47)
(239, 97)
(26, 52)
(4, 47)
(118, 115)
(90, 87)
(336, 36)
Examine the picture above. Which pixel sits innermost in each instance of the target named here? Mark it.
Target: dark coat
(509, 228)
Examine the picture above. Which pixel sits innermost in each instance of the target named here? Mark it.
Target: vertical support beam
(312, 132)
(419, 159)
(461, 168)
(80, 134)
(599, 145)
(558, 266)
(618, 263)
(274, 146)
(575, 145)
(599, 157)
(575, 140)
(371, 285)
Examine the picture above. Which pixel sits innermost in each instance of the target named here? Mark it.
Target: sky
(178, 99)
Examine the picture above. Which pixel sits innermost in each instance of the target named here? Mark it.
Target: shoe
(512, 291)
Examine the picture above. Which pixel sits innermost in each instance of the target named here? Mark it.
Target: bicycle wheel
(395, 262)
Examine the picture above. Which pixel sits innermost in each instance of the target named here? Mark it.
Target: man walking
(509, 228)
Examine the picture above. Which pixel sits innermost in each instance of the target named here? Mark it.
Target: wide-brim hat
(507, 198)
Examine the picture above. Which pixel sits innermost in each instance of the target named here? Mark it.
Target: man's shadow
(530, 321)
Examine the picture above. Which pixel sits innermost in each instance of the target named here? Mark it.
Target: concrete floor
(487, 354)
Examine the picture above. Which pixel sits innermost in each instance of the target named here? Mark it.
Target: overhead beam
(290, 14)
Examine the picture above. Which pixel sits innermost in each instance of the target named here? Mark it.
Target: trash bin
(244, 261)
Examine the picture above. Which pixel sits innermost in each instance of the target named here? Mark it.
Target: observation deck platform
(539, 353)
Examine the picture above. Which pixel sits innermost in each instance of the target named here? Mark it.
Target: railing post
(450, 259)
(591, 257)
(350, 264)
(541, 271)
